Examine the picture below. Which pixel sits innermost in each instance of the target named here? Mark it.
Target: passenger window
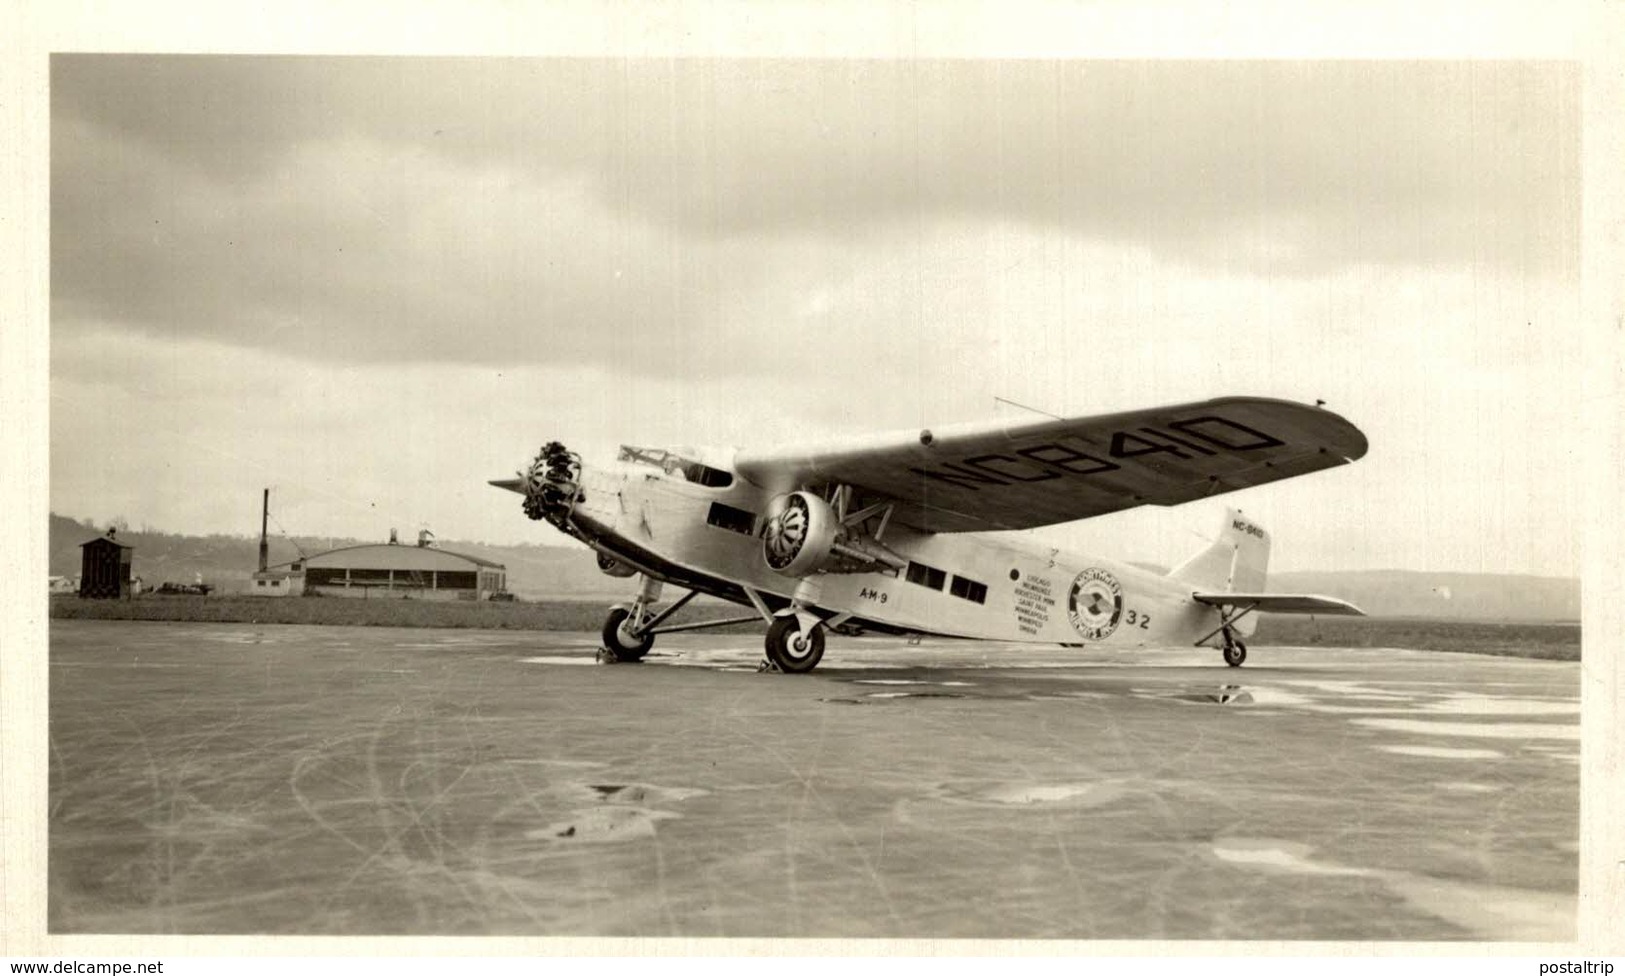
(928, 576)
(730, 518)
(969, 590)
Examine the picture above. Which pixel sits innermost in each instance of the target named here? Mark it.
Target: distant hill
(229, 561)
(538, 572)
(1454, 596)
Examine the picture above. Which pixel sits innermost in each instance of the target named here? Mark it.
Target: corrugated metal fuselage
(988, 586)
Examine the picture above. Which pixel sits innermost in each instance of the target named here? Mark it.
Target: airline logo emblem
(1095, 604)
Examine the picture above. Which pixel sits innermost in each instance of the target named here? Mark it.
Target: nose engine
(552, 484)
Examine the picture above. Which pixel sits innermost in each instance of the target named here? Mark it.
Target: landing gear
(792, 649)
(621, 635)
(629, 630)
(1233, 649)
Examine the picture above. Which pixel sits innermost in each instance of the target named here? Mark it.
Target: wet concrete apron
(326, 780)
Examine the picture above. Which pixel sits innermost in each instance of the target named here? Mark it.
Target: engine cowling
(800, 534)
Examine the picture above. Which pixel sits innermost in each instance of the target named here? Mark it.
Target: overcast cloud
(376, 282)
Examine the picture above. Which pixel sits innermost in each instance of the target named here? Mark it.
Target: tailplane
(1229, 576)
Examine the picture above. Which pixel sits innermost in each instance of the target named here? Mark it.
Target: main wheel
(618, 636)
(791, 650)
(1235, 653)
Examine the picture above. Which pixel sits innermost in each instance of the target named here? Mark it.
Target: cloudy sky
(373, 283)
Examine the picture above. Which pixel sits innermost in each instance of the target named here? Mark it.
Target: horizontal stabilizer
(1282, 603)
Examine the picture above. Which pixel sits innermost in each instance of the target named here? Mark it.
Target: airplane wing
(1018, 475)
(1282, 603)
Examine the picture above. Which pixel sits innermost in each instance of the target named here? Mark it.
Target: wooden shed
(105, 568)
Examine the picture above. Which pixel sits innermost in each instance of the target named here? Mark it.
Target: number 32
(1138, 619)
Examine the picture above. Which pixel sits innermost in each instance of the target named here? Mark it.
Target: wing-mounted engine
(806, 534)
(552, 485)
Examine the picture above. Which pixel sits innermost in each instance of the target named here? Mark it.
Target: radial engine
(552, 485)
(806, 534)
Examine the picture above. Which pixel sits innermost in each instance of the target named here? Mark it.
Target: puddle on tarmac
(1352, 690)
(891, 695)
(1476, 730)
(1483, 705)
(1487, 911)
(558, 660)
(1469, 787)
(1072, 795)
(640, 793)
(598, 825)
(1220, 695)
(617, 812)
(1071, 696)
(913, 681)
(1442, 752)
(1275, 855)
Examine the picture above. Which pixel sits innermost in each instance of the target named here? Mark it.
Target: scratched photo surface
(375, 286)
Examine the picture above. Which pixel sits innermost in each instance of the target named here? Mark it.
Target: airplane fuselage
(988, 586)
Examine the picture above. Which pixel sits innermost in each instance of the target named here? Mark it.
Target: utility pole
(265, 513)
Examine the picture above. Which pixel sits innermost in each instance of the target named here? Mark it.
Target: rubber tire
(616, 641)
(1235, 654)
(780, 643)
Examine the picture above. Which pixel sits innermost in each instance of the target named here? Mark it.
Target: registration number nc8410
(1180, 439)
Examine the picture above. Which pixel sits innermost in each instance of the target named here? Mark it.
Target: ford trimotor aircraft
(911, 532)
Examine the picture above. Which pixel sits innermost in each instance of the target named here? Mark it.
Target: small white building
(278, 581)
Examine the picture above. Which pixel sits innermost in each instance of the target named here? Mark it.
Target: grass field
(567, 615)
(1547, 641)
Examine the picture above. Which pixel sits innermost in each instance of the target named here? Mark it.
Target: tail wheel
(619, 638)
(793, 651)
(1235, 653)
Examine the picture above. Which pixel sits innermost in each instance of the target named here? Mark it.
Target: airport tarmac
(233, 778)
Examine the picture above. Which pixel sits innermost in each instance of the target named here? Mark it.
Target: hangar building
(422, 572)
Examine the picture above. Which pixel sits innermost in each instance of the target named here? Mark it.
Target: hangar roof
(386, 556)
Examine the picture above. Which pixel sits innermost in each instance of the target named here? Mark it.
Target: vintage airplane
(911, 532)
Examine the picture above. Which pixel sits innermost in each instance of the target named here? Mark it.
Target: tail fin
(1237, 562)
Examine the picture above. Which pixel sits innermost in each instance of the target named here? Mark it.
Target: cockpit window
(688, 469)
(710, 477)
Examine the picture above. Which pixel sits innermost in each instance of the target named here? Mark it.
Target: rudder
(1237, 562)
